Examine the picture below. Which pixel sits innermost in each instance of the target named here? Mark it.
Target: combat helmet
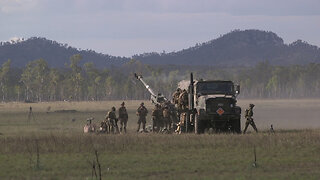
(113, 108)
(142, 104)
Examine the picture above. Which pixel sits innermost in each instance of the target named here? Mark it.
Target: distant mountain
(237, 48)
(56, 54)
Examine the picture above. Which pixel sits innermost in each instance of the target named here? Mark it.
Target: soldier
(112, 121)
(271, 129)
(175, 96)
(142, 113)
(156, 121)
(89, 127)
(183, 100)
(123, 117)
(248, 116)
(30, 114)
(180, 125)
(104, 127)
(166, 117)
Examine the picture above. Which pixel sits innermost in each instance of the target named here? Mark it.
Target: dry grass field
(52, 146)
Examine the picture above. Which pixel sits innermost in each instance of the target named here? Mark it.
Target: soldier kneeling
(112, 121)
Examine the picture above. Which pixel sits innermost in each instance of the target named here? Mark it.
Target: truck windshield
(216, 87)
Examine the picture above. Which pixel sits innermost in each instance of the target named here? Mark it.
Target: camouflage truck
(213, 105)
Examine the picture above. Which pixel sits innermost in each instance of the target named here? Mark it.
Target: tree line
(39, 82)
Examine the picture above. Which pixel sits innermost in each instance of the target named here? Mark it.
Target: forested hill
(56, 54)
(239, 48)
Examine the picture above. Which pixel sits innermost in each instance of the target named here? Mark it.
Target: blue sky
(128, 27)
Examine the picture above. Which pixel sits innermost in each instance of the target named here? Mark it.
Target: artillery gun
(212, 105)
(161, 100)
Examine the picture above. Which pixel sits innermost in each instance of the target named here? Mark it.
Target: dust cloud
(284, 114)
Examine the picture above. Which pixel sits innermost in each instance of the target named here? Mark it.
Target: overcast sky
(128, 27)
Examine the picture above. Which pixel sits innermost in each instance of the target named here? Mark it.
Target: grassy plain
(293, 152)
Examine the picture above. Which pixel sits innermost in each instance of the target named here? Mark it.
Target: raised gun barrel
(155, 98)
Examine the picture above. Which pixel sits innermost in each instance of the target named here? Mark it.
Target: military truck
(213, 105)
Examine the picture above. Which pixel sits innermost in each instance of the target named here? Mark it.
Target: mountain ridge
(236, 48)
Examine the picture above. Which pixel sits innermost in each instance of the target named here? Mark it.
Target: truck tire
(237, 126)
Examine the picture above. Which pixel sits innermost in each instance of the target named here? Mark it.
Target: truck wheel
(237, 126)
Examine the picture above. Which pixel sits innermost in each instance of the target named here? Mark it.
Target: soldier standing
(123, 117)
(112, 121)
(175, 96)
(142, 113)
(183, 100)
(30, 114)
(180, 126)
(248, 116)
(166, 117)
(156, 121)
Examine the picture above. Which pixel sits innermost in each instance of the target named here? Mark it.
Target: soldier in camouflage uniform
(166, 117)
(183, 101)
(104, 127)
(156, 118)
(142, 112)
(112, 121)
(248, 116)
(123, 118)
(180, 127)
(175, 96)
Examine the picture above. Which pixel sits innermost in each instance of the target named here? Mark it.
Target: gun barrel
(139, 77)
(156, 99)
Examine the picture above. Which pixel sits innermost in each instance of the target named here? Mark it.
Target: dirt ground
(283, 114)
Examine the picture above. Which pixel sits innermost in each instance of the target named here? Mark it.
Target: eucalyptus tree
(76, 77)
(4, 78)
(35, 79)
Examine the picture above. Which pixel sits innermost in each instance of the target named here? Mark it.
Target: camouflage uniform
(248, 116)
(104, 127)
(183, 100)
(183, 118)
(166, 117)
(123, 117)
(156, 118)
(142, 113)
(112, 121)
(175, 96)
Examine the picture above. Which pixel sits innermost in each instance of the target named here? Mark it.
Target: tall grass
(64, 152)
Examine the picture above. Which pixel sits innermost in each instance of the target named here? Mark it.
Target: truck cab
(215, 106)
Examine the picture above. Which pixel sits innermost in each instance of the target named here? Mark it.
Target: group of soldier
(181, 101)
(164, 116)
(110, 123)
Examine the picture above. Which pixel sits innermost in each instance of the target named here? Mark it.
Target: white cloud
(15, 39)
